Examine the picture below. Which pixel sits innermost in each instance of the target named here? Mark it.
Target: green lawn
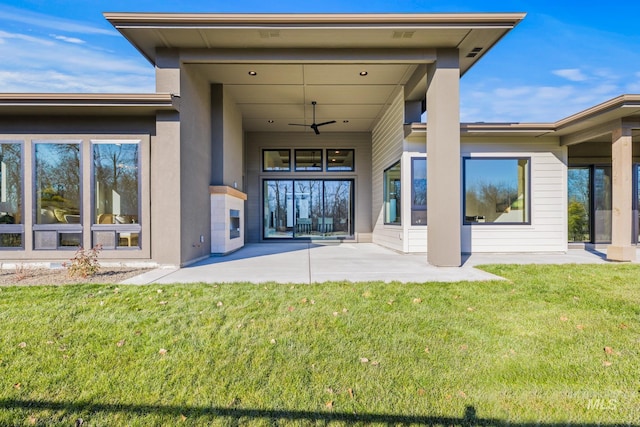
(553, 345)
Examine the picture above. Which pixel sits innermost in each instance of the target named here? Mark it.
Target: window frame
(528, 195)
(17, 228)
(385, 192)
(265, 150)
(414, 207)
(320, 161)
(353, 160)
(58, 228)
(116, 228)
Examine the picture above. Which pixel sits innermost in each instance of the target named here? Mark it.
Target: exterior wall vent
(269, 34)
(403, 34)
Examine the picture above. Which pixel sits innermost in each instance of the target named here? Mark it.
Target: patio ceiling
(299, 58)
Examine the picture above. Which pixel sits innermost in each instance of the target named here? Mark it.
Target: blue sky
(560, 60)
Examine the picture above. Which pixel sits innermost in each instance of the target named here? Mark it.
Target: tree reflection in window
(57, 183)
(116, 183)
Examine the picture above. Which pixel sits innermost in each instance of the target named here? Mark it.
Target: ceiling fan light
(253, 73)
(364, 73)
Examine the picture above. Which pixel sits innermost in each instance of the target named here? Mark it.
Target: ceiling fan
(314, 125)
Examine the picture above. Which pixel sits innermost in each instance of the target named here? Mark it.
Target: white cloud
(73, 40)
(572, 74)
(24, 16)
(44, 64)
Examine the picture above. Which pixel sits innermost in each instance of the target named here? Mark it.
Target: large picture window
(116, 189)
(58, 195)
(392, 201)
(496, 190)
(418, 191)
(11, 216)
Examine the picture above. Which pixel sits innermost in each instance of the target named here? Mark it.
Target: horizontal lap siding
(548, 194)
(387, 145)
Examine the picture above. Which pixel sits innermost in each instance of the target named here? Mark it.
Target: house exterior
(281, 127)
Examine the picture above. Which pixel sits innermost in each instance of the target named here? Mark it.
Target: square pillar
(443, 160)
(621, 195)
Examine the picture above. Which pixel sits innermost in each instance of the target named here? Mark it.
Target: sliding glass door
(589, 204)
(308, 209)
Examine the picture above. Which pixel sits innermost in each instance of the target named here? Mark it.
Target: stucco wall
(195, 166)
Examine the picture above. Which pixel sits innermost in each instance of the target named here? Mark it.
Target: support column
(621, 195)
(443, 160)
(166, 232)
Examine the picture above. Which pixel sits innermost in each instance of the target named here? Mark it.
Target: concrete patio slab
(303, 262)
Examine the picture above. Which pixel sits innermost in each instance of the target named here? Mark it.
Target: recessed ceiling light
(364, 73)
(345, 121)
(333, 160)
(253, 73)
(270, 121)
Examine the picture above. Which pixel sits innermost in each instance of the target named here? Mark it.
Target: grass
(552, 345)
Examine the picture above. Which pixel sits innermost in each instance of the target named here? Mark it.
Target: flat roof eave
(85, 104)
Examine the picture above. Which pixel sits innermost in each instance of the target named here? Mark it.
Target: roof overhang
(472, 33)
(54, 104)
(593, 124)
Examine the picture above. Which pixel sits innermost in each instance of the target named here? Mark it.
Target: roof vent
(403, 34)
(474, 52)
(269, 34)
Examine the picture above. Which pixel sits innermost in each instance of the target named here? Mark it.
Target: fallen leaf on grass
(623, 326)
(608, 350)
(417, 300)
(159, 291)
(162, 351)
(421, 392)
(462, 393)
(335, 313)
(22, 344)
(580, 327)
(390, 302)
(17, 386)
(329, 404)
(350, 391)
(272, 341)
(219, 304)
(290, 308)
(563, 318)
(364, 360)
(183, 418)
(120, 343)
(606, 363)
(464, 347)
(470, 308)
(32, 420)
(163, 302)
(304, 300)
(375, 363)
(426, 349)
(344, 310)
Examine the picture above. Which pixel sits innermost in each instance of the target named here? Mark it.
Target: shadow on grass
(237, 415)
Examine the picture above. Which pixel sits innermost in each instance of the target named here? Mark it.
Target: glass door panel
(336, 221)
(308, 205)
(602, 201)
(579, 204)
(278, 218)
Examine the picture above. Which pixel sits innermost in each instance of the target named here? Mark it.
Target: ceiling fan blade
(315, 128)
(326, 123)
(297, 124)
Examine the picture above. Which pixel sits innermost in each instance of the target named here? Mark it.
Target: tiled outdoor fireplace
(227, 219)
